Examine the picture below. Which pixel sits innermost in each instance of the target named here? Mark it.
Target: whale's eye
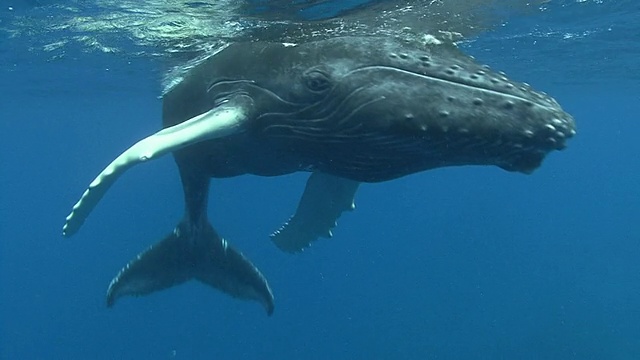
(317, 81)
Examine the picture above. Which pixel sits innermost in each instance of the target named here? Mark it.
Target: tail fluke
(192, 253)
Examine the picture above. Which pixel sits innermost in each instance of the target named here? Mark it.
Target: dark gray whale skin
(348, 110)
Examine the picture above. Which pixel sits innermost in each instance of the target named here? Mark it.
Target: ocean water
(456, 263)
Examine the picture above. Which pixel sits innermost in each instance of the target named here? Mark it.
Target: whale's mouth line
(446, 81)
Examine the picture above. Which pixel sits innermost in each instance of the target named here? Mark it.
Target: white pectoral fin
(215, 123)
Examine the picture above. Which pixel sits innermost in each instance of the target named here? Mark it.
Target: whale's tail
(194, 250)
(191, 252)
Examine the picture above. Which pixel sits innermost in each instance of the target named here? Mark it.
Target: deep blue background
(461, 263)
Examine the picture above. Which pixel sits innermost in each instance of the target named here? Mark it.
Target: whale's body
(347, 110)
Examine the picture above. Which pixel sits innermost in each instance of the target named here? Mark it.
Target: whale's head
(377, 108)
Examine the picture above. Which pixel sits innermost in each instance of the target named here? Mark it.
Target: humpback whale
(346, 110)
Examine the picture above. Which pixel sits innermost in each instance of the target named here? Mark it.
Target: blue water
(459, 263)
